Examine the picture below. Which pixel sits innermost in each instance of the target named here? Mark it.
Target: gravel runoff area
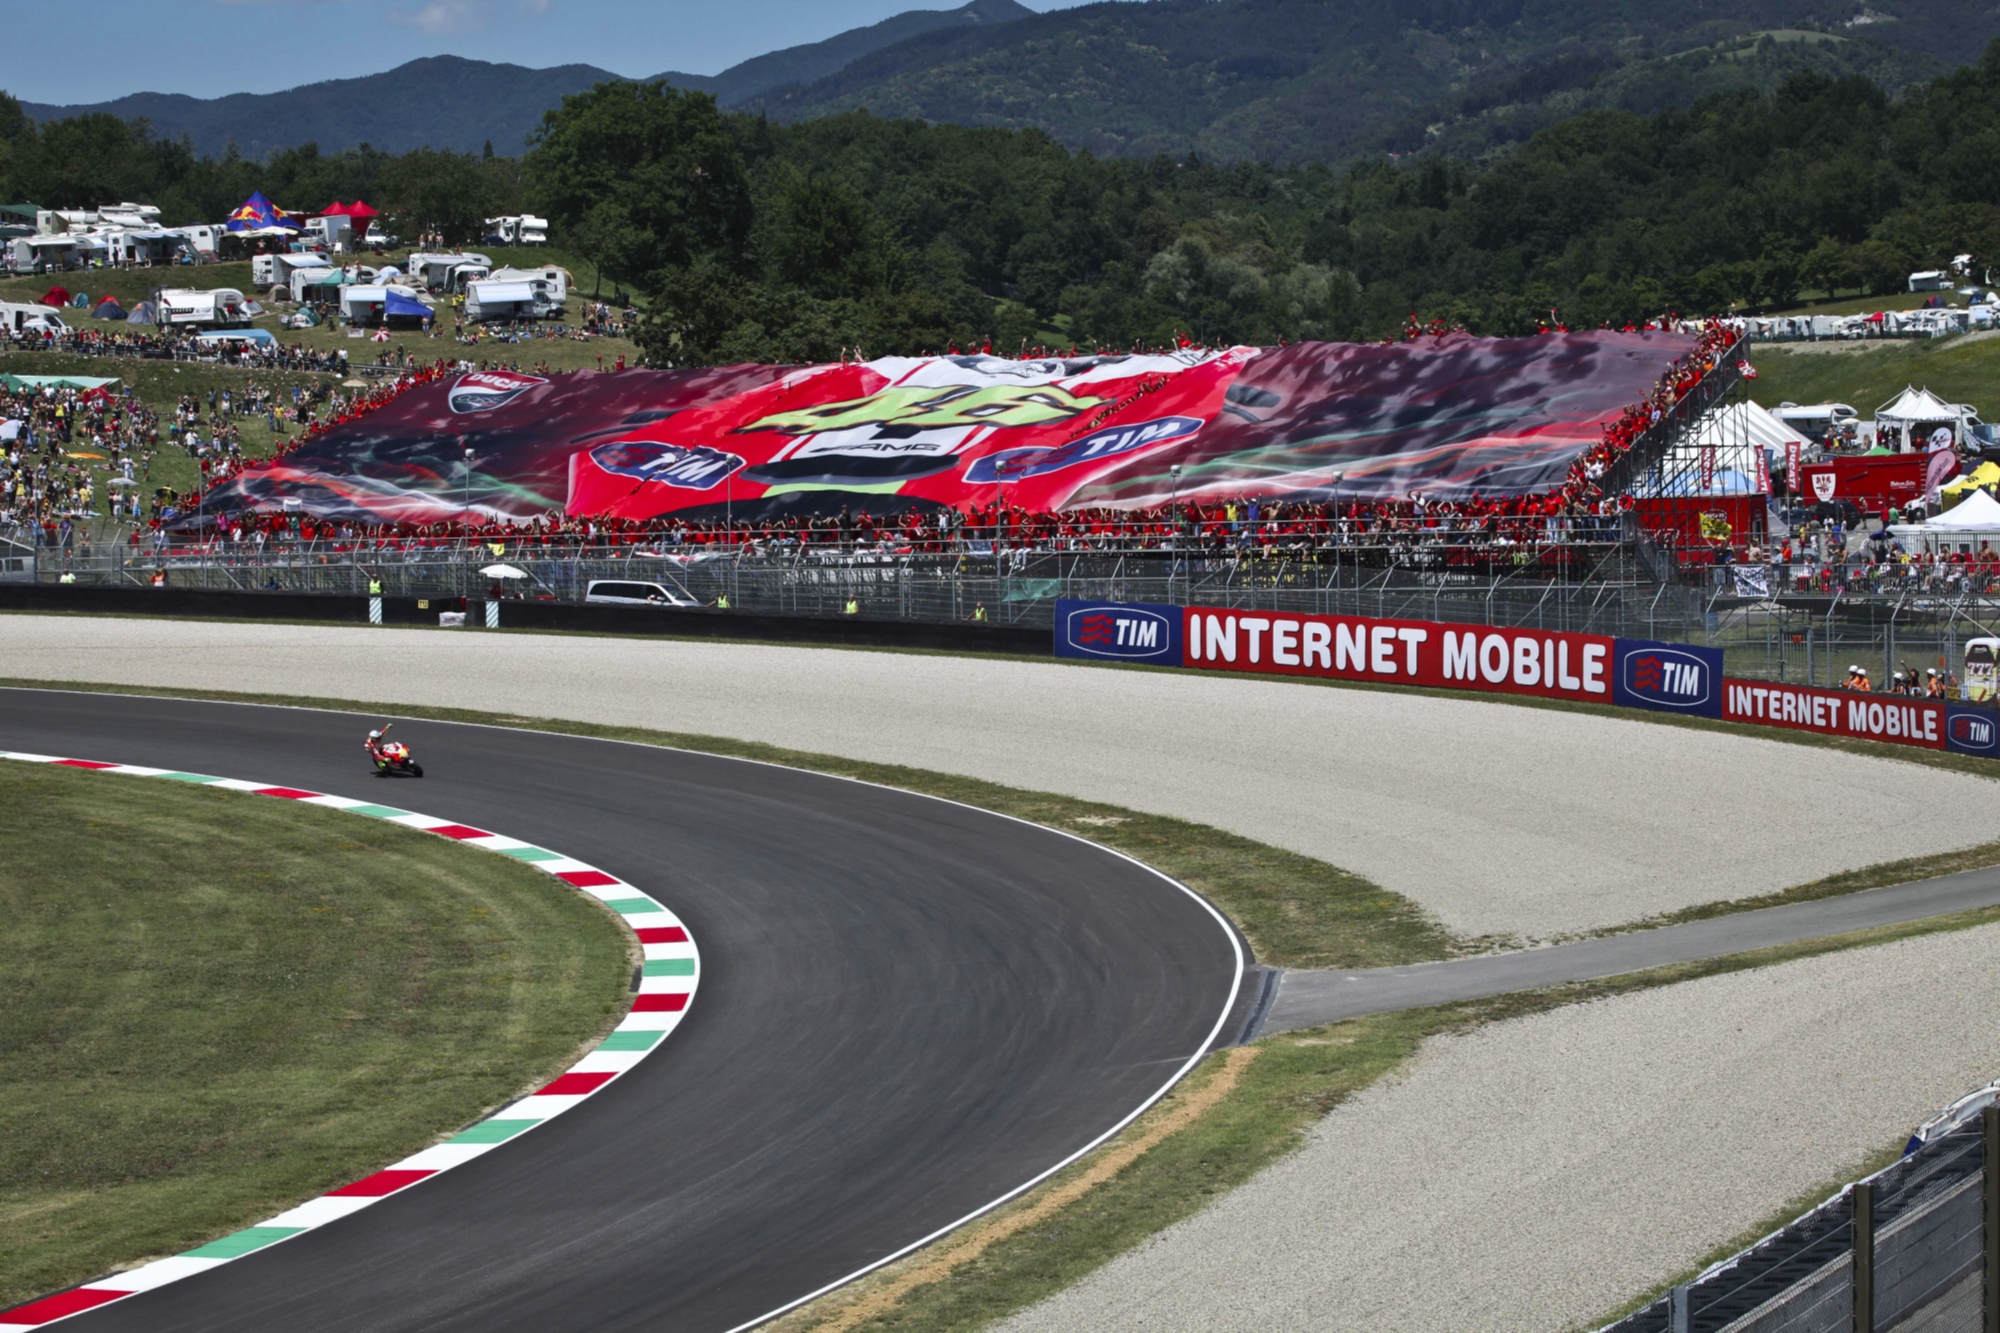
(1500, 820)
(1538, 1173)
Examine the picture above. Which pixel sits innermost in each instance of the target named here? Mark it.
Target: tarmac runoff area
(1500, 820)
(1538, 1173)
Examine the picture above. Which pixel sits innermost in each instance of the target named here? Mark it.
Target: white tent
(1735, 433)
(1977, 512)
(1915, 412)
(1972, 522)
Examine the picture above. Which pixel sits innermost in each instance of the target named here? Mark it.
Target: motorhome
(527, 229)
(28, 317)
(1816, 419)
(530, 299)
(434, 270)
(277, 270)
(223, 307)
(143, 245)
(57, 250)
(463, 276)
(143, 216)
(555, 275)
(369, 303)
(317, 284)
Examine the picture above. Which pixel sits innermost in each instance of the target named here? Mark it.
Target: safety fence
(1794, 639)
(1914, 1247)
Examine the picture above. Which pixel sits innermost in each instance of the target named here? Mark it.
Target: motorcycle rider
(374, 746)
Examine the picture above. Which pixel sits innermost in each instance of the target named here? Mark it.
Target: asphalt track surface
(908, 1009)
(1309, 997)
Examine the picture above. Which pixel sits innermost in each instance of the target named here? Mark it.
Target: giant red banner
(1445, 418)
(1403, 652)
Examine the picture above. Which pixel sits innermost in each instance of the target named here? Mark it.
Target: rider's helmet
(374, 735)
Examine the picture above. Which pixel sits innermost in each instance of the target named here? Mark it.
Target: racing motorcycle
(391, 758)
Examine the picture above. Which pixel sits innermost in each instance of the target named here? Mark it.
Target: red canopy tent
(362, 215)
(358, 211)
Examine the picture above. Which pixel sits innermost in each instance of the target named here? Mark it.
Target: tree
(655, 170)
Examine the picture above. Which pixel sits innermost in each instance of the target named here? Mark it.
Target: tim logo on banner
(1119, 631)
(1668, 677)
(1972, 730)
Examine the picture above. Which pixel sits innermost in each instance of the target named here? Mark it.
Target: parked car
(623, 592)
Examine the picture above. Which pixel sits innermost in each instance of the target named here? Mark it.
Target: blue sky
(209, 47)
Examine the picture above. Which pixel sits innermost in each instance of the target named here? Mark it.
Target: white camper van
(555, 275)
(527, 229)
(530, 299)
(277, 270)
(27, 317)
(221, 307)
(434, 270)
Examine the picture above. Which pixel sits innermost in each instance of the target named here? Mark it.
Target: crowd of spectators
(50, 437)
(174, 344)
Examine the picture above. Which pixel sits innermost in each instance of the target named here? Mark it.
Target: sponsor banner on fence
(1668, 677)
(1590, 668)
(1119, 632)
(1970, 730)
(1873, 717)
(1404, 652)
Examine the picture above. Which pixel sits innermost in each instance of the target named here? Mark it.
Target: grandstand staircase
(1654, 455)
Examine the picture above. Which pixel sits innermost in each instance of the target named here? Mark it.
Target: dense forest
(767, 241)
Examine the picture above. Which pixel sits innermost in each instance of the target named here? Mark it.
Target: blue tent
(399, 304)
(108, 309)
(257, 213)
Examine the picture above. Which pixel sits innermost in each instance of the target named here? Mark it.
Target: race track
(910, 1008)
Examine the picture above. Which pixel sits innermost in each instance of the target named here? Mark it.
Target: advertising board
(1405, 652)
(1119, 632)
(1870, 717)
(1589, 668)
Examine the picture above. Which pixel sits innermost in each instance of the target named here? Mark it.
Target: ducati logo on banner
(1823, 484)
(484, 390)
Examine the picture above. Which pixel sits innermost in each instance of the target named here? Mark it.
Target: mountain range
(465, 105)
(1229, 79)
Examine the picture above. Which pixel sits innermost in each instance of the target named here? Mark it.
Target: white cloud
(440, 16)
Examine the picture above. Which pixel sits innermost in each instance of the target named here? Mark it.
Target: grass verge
(219, 1005)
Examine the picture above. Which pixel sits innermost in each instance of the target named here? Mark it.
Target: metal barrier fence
(1583, 587)
(1914, 1248)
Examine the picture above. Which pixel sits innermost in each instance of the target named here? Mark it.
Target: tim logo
(1119, 632)
(484, 390)
(1015, 464)
(1974, 733)
(693, 467)
(1667, 679)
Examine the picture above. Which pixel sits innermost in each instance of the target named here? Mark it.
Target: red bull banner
(1449, 417)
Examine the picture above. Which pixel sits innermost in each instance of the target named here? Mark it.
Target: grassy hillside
(1965, 369)
(1304, 79)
